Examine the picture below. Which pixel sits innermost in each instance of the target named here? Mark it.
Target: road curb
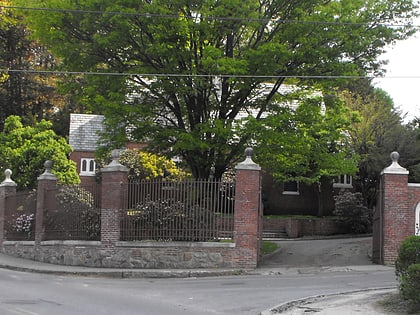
(124, 273)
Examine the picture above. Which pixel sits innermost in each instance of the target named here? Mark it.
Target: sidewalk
(26, 265)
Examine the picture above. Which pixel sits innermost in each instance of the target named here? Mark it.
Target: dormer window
(87, 167)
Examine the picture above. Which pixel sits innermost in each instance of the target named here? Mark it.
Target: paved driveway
(320, 253)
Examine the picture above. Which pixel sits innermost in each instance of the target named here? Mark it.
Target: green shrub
(169, 220)
(352, 213)
(410, 286)
(407, 268)
(75, 216)
(408, 254)
(145, 165)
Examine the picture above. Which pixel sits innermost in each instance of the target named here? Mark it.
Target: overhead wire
(198, 17)
(150, 15)
(126, 74)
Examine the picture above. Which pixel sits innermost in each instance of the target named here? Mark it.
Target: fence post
(46, 181)
(114, 183)
(246, 232)
(7, 188)
(394, 213)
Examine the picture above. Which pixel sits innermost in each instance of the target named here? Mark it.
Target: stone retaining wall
(147, 255)
(298, 227)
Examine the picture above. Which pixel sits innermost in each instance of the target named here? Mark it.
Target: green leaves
(144, 165)
(189, 44)
(307, 143)
(24, 149)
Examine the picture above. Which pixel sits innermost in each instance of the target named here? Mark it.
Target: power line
(174, 16)
(54, 72)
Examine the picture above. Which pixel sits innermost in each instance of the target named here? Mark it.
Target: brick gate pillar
(246, 232)
(7, 188)
(114, 184)
(46, 181)
(394, 212)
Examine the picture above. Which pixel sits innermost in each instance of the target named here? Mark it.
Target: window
(87, 166)
(291, 188)
(343, 181)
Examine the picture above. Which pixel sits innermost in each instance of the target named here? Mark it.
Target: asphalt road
(40, 294)
(35, 294)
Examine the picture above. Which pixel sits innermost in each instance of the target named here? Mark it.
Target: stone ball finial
(115, 157)
(395, 168)
(248, 164)
(115, 164)
(249, 152)
(8, 174)
(48, 166)
(395, 156)
(8, 181)
(115, 154)
(48, 175)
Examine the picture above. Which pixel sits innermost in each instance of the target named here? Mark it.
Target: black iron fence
(72, 213)
(188, 210)
(19, 220)
(159, 210)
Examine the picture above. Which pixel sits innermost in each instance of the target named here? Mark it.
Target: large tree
(24, 92)
(192, 67)
(309, 144)
(379, 131)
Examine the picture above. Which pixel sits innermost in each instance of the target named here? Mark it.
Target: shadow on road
(320, 253)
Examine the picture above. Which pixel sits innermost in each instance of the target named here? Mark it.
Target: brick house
(83, 138)
(293, 198)
(278, 198)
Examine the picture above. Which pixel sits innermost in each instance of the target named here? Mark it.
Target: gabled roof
(85, 131)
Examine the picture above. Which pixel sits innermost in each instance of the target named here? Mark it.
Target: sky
(403, 61)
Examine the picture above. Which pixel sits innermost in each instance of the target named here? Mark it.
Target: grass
(393, 303)
(268, 247)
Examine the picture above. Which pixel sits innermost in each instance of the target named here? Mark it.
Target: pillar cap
(248, 163)
(395, 168)
(47, 175)
(115, 165)
(8, 180)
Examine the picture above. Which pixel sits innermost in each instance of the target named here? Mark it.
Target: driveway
(320, 253)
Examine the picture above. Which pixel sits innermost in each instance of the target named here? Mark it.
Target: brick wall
(394, 218)
(246, 234)
(298, 227)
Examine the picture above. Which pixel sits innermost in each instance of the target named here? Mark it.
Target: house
(278, 198)
(84, 136)
(293, 198)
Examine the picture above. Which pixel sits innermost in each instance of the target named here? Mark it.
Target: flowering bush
(352, 213)
(23, 223)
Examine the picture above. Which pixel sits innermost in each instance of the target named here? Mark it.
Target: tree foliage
(24, 150)
(194, 67)
(307, 143)
(25, 92)
(145, 165)
(379, 132)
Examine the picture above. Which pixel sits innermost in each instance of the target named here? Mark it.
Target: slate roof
(84, 131)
